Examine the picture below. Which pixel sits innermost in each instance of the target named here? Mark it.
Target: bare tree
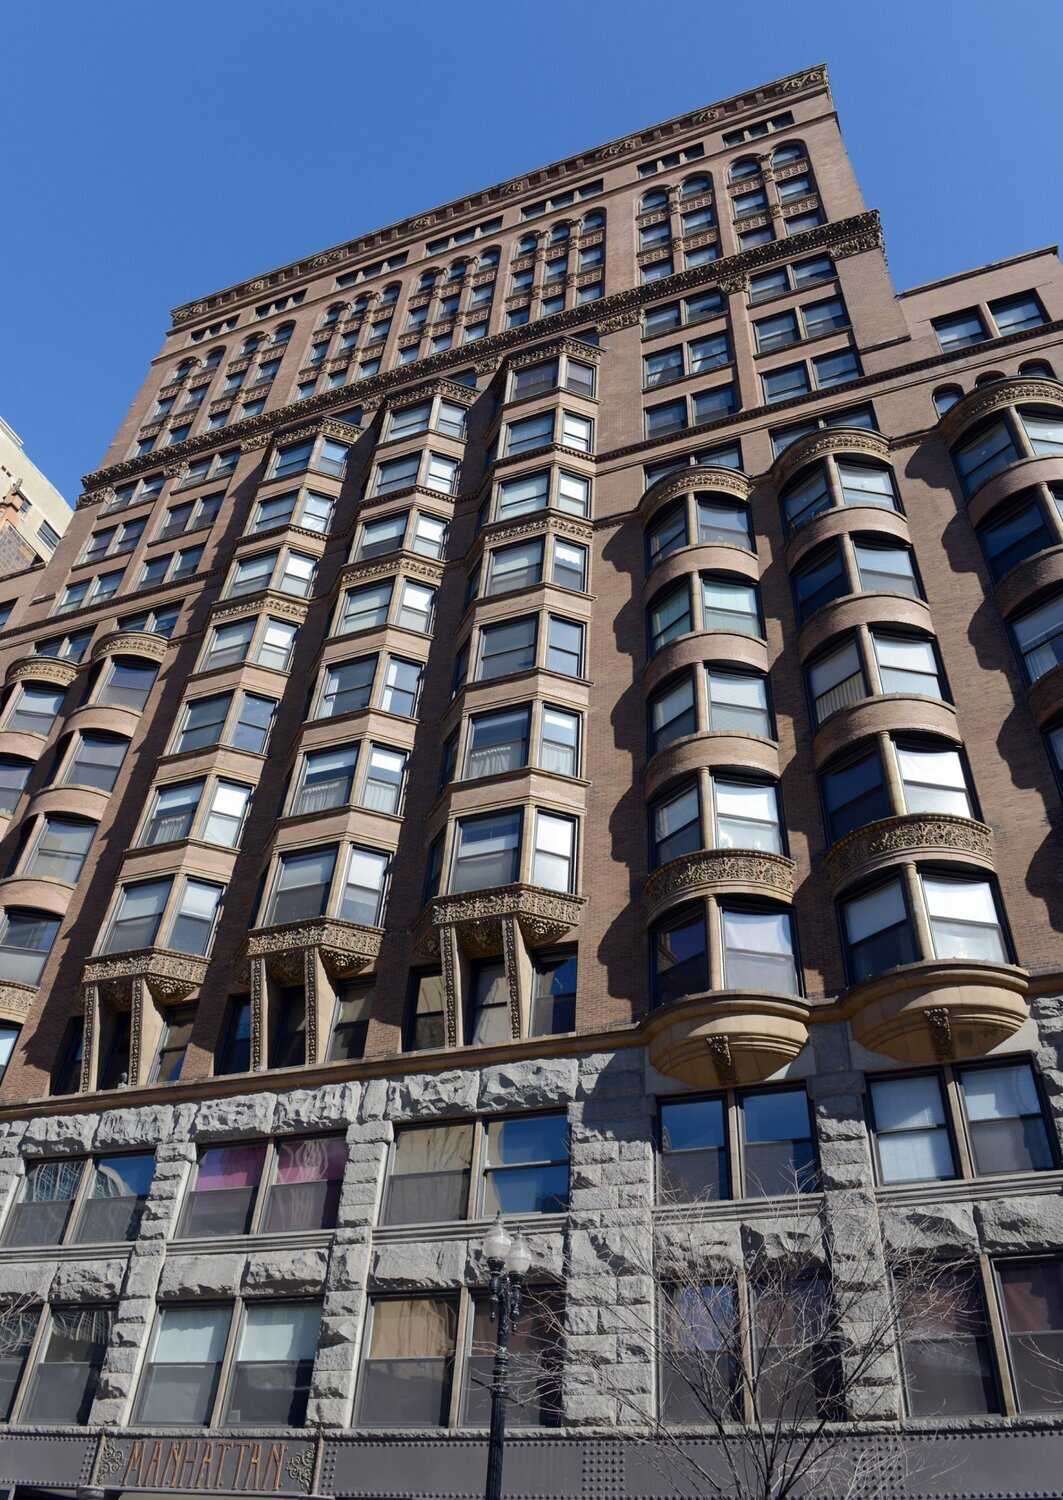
(771, 1352)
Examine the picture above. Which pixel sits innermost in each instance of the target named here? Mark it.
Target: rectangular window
(758, 951)
(193, 922)
(912, 1140)
(41, 1213)
(34, 708)
(507, 647)
(1004, 1119)
(963, 919)
(1013, 314)
(127, 684)
(384, 780)
(350, 1021)
(945, 1347)
(559, 741)
(855, 795)
(553, 856)
(1040, 638)
(553, 1010)
(60, 848)
(878, 931)
(959, 330)
(407, 1370)
(254, 720)
(429, 1176)
(671, 616)
(487, 851)
(498, 742)
(362, 900)
(776, 332)
(172, 813)
(347, 687)
(564, 647)
(517, 497)
(738, 700)
(730, 606)
(527, 1165)
(180, 1378)
(366, 608)
(64, 1382)
(835, 680)
(569, 568)
(426, 1010)
(907, 665)
(886, 570)
(26, 939)
(785, 384)
(488, 1018)
(402, 687)
(223, 1194)
(676, 823)
(117, 1192)
(173, 1044)
(835, 369)
(252, 574)
(699, 1334)
(327, 779)
(535, 380)
(514, 567)
(672, 714)
(17, 1329)
(933, 781)
(990, 450)
(303, 885)
(226, 813)
(694, 1157)
(397, 473)
(304, 1191)
(270, 1381)
(136, 919)
(1032, 1297)
(229, 644)
(747, 815)
(383, 536)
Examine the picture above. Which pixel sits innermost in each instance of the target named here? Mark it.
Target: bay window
(878, 930)
(680, 953)
(758, 950)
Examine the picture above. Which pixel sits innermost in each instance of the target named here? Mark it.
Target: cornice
(52, 669)
(479, 916)
(713, 870)
(397, 564)
(393, 236)
(910, 836)
(131, 643)
(819, 444)
(700, 477)
(169, 975)
(622, 310)
(258, 604)
(985, 399)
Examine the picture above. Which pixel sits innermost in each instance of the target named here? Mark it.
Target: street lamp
(508, 1260)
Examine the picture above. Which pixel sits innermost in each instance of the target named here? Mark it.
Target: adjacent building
(33, 514)
(556, 696)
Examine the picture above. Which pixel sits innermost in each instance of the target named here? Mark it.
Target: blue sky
(154, 152)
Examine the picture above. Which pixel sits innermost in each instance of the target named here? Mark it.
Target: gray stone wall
(599, 1248)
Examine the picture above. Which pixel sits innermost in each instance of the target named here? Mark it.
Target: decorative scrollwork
(908, 833)
(939, 1023)
(300, 1466)
(42, 669)
(722, 869)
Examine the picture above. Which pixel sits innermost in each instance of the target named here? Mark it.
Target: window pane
(488, 852)
(406, 1375)
(779, 1154)
(1004, 1110)
(498, 742)
(181, 1375)
(694, 1151)
(302, 886)
(913, 1141)
(738, 701)
(306, 1187)
(429, 1177)
(757, 952)
(963, 919)
(680, 958)
(270, 1383)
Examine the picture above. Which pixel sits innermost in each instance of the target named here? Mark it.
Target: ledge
(131, 643)
(169, 975)
(698, 477)
(986, 399)
(16, 1000)
(939, 1010)
(841, 520)
(908, 836)
(862, 440)
(712, 871)
(544, 917)
(51, 669)
(1028, 578)
(728, 1037)
(881, 713)
(346, 947)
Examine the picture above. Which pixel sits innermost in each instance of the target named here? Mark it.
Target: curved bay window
(851, 564)
(1039, 636)
(698, 519)
(718, 699)
(891, 775)
(834, 481)
(752, 947)
(712, 602)
(1024, 526)
(1008, 437)
(873, 661)
(26, 938)
(920, 913)
(719, 810)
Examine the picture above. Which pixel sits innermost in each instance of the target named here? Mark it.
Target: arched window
(283, 333)
(489, 258)
(390, 293)
(184, 368)
(359, 305)
(1038, 368)
(559, 234)
(787, 153)
(214, 358)
(458, 270)
(745, 166)
(427, 280)
(651, 201)
(526, 244)
(251, 343)
(594, 220)
(695, 185)
(945, 398)
(990, 377)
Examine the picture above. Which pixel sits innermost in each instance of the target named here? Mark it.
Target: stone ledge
(909, 835)
(711, 871)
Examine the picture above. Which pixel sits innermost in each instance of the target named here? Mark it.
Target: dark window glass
(700, 1333)
(488, 851)
(1005, 1120)
(680, 957)
(305, 1192)
(535, 1364)
(224, 1192)
(945, 1347)
(40, 1215)
(235, 1053)
(527, 1165)
(427, 1010)
(68, 1371)
(1018, 532)
(854, 795)
(428, 1181)
(287, 1043)
(820, 578)
(554, 997)
(407, 1371)
(1032, 1293)
(350, 1025)
(676, 825)
(17, 1329)
(694, 1161)
(181, 1374)
(878, 931)
(779, 1156)
(116, 1199)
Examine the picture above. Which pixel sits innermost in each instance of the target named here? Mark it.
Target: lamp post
(508, 1260)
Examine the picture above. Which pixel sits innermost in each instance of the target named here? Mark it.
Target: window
(487, 851)
(347, 687)
(1039, 635)
(569, 568)
(506, 647)
(960, 329)
(88, 591)
(112, 541)
(963, 918)
(738, 701)
(526, 1165)
(667, 534)
(559, 741)
(680, 955)
(173, 1043)
(564, 647)
(425, 1013)
(758, 950)
(730, 606)
(173, 813)
(984, 454)
(785, 383)
(1005, 1119)
(794, 277)
(676, 824)
(885, 569)
(819, 578)
(554, 852)
(907, 665)
(488, 1012)
(498, 742)
(26, 938)
(932, 780)
(13, 777)
(776, 1150)
(70, 647)
(1013, 533)
(402, 687)
(126, 683)
(63, 1384)
(671, 616)
(878, 931)
(204, 719)
(407, 1367)
(366, 608)
(514, 567)
(835, 369)
(672, 713)
(327, 779)
(59, 848)
(746, 815)
(160, 621)
(1032, 1297)
(292, 1184)
(234, 1054)
(553, 1007)
(835, 680)
(911, 1133)
(362, 899)
(302, 886)
(225, 814)
(1013, 314)
(854, 795)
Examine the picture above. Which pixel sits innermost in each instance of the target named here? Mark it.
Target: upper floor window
(1039, 636)
(412, 531)
(88, 591)
(558, 489)
(185, 908)
(961, 911)
(1025, 432)
(33, 708)
(438, 414)
(566, 372)
(322, 453)
(26, 938)
(695, 520)
(827, 370)
(99, 1200)
(302, 508)
(774, 1151)
(287, 571)
(839, 480)
(265, 1188)
(241, 720)
(306, 884)
(215, 466)
(1029, 524)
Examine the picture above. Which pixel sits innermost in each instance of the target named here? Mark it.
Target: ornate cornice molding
(267, 602)
(398, 564)
(985, 399)
(716, 870)
(131, 643)
(16, 1000)
(168, 975)
(849, 236)
(463, 395)
(907, 836)
(589, 353)
(392, 236)
(42, 669)
(818, 444)
(478, 917)
(699, 477)
(346, 947)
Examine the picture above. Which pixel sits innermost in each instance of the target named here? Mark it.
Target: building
(587, 647)
(33, 514)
